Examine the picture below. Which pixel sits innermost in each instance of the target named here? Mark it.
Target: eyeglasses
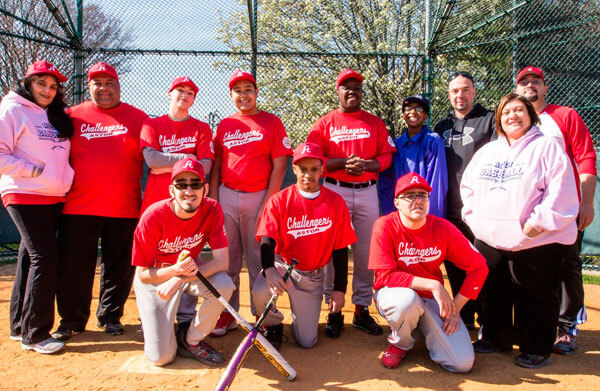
(418, 109)
(534, 81)
(183, 185)
(412, 197)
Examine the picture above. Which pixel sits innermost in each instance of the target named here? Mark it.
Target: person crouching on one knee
(407, 249)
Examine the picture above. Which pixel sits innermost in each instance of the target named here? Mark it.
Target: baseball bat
(244, 348)
(261, 342)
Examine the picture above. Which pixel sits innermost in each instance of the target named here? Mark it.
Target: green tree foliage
(100, 30)
(304, 44)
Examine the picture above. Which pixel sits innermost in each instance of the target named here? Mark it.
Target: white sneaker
(16, 337)
(47, 346)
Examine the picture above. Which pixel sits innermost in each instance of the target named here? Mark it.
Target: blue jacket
(424, 154)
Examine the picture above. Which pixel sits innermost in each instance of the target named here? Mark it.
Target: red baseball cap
(348, 74)
(409, 181)
(188, 165)
(101, 68)
(42, 67)
(239, 75)
(531, 71)
(305, 150)
(184, 81)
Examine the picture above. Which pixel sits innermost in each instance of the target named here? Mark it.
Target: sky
(174, 25)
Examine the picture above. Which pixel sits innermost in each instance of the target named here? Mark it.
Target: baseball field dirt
(95, 361)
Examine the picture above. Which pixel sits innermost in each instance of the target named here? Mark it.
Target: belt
(351, 185)
(310, 273)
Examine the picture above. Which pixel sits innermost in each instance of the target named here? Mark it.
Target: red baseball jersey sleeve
(160, 235)
(362, 134)
(247, 145)
(168, 136)
(398, 254)
(566, 126)
(308, 230)
(107, 161)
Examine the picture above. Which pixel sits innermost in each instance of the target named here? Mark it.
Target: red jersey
(168, 136)
(247, 145)
(398, 254)
(563, 124)
(161, 235)
(107, 161)
(308, 230)
(362, 134)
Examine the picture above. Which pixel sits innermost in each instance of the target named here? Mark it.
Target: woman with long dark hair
(34, 178)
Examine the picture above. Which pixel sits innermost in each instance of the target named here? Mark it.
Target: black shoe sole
(183, 352)
(378, 332)
(547, 361)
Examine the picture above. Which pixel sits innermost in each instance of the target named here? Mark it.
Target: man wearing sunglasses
(186, 221)
(467, 127)
(421, 151)
(407, 249)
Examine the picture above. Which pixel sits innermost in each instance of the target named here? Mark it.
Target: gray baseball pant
(305, 294)
(241, 222)
(158, 315)
(363, 205)
(405, 311)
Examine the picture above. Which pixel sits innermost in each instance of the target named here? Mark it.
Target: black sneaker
(274, 334)
(532, 360)
(335, 324)
(63, 333)
(112, 327)
(486, 347)
(364, 321)
(202, 352)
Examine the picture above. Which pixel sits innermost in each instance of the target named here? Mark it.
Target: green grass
(589, 279)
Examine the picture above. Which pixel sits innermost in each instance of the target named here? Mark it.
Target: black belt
(351, 185)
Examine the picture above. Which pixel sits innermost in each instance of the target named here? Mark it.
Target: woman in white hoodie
(520, 201)
(34, 178)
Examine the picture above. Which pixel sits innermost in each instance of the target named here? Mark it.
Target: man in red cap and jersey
(186, 221)
(357, 146)
(311, 224)
(103, 203)
(563, 124)
(407, 249)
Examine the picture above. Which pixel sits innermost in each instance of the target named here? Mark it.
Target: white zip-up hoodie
(532, 181)
(28, 140)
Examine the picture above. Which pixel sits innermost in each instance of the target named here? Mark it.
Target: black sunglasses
(184, 185)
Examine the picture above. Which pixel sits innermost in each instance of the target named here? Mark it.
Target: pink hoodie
(28, 140)
(532, 181)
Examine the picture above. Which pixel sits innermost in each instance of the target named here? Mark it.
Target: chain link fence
(297, 47)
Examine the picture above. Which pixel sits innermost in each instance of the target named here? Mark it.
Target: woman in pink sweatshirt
(520, 201)
(34, 177)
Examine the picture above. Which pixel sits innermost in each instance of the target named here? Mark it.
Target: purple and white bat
(244, 348)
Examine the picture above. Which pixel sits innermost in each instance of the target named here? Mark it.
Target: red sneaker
(392, 356)
(225, 323)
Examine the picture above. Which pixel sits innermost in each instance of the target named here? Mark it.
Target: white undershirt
(310, 196)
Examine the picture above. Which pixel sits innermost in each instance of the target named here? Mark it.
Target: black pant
(457, 276)
(32, 298)
(530, 278)
(571, 288)
(78, 248)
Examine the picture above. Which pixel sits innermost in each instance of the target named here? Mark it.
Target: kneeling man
(407, 248)
(311, 224)
(185, 222)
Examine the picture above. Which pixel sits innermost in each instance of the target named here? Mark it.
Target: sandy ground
(95, 361)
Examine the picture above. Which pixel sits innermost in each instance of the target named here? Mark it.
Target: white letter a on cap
(188, 164)
(415, 179)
